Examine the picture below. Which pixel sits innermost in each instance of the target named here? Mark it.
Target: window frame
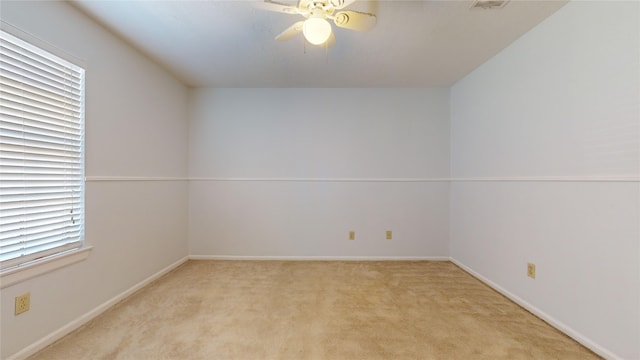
(65, 256)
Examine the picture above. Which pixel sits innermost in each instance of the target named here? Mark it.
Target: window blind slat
(25, 91)
(16, 113)
(69, 142)
(33, 195)
(10, 81)
(43, 191)
(12, 122)
(36, 54)
(36, 167)
(11, 53)
(33, 79)
(39, 170)
(35, 133)
(24, 107)
(34, 91)
(6, 162)
(10, 155)
(26, 226)
(18, 96)
(23, 241)
(32, 64)
(41, 246)
(12, 207)
(38, 101)
(11, 215)
(33, 142)
(52, 238)
(38, 80)
(24, 62)
(41, 153)
(38, 180)
(13, 233)
(16, 258)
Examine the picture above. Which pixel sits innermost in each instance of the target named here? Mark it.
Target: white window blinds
(41, 153)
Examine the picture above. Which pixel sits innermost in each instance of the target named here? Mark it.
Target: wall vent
(489, 4)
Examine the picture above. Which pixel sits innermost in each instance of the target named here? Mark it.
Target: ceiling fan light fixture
(316, 30)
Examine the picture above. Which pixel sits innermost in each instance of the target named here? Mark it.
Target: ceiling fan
(316, 29)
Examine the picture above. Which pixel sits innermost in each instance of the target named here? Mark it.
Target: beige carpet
(316, 310)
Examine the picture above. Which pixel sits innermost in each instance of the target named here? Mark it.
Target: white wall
(562, 101)
(251, 145)
(135, 126)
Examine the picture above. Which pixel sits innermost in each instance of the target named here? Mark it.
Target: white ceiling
(420, 43)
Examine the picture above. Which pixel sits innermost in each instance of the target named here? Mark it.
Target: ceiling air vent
(489, 4)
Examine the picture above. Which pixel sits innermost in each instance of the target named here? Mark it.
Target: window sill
(35, 268)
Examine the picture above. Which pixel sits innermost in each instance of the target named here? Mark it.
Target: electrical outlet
(531, 270)
(23, 302)
(352, 235)
(389, 235)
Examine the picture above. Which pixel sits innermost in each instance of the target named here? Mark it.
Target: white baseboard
(541, 314)
(320, 258)
(56, 335)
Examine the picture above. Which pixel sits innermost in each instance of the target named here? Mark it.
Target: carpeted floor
(316, 310)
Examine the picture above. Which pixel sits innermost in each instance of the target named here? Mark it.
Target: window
(41, 154)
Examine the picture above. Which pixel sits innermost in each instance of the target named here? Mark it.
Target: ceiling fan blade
(354, 20)
(277, 7)
(290, 32)
(341, 4)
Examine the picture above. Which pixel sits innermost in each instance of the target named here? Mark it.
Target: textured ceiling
(231, 43)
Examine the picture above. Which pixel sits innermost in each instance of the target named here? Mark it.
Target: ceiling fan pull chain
(326, 54)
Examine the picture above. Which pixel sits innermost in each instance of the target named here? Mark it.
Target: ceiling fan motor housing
(323, 7)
